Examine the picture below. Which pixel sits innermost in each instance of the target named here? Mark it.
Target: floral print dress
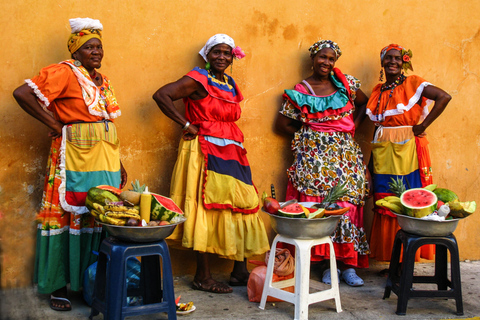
(325, 154)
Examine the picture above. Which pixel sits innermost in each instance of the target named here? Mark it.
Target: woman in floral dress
(320, 113)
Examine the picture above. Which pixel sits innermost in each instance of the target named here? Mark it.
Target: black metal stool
(400, 281)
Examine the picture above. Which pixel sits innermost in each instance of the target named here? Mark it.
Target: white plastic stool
(302, 297)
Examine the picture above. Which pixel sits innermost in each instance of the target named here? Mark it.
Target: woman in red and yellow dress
(78, 104)
(400, 110)
(212, 180)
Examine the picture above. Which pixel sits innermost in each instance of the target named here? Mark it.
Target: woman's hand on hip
(191, 133)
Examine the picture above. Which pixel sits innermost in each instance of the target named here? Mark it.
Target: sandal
(327, 278)
(236, 282)
(214, 287)
(351, 278)
(66, 305)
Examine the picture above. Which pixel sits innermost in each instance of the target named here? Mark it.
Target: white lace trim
(42, 100)
(62, 189)
(401, 108)
(55, 232)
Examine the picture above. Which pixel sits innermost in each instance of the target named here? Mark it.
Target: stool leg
(168, 290)
(394, 265)
(334, 277)
(116, 295)
(269, 275)
(455, 276)
(406, 278)
(302, 280)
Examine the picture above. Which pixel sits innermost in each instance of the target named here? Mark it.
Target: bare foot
(210, 285)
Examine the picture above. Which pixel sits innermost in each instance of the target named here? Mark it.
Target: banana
(95, 213)
(393, 199)
(98, 207)
(110, 207)
(389, 205)
(113, 221)
(122, 215)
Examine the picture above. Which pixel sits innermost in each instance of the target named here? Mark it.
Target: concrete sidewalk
(357, 303)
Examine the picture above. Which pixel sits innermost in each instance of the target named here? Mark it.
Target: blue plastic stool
(110, 291)
(400, 278)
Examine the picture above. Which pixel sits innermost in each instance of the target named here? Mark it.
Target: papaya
(336, 212)
(445, 195)
(462, 209)
(100, 196)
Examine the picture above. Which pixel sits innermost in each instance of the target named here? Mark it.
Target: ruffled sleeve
(406, 106)
(354, 84)
(51, 83)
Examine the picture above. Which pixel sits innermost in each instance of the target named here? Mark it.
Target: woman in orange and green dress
(400, 110)
(79, 105)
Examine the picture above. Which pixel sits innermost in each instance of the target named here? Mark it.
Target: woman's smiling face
(220, 57)
(392, 62)
(324, 61)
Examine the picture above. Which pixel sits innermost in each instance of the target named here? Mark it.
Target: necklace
(95, 76)
(384, 88)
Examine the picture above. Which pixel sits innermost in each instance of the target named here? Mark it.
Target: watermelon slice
(165, 209)
(113, 190)
(293, 210)
(418, 202)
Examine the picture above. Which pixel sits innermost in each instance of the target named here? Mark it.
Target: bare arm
(166, 95)
(287, 125)
(441, 99)
(28, 101)
(360, 107)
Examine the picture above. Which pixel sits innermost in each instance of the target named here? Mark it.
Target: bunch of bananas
(114, 214)
(392, 203)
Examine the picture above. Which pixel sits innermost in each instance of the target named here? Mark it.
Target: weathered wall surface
(150, 43)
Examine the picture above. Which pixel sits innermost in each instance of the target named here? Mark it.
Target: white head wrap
(213, 41)
(79, 24)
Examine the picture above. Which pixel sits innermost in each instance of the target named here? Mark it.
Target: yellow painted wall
(149, 43)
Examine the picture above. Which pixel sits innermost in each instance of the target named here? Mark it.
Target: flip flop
(215, 287)
(327, 277)
(236, 282)
(350, 277)
(59, 299)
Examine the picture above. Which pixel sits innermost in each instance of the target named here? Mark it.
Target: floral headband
(406, 55)
(218, 39)
(321, 44)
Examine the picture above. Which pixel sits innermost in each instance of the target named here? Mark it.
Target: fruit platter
(428, 211)
(305, 220)
(134, 215)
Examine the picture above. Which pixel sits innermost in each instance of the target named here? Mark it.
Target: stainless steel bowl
(301, 228)
(428, 228)
(140, 234)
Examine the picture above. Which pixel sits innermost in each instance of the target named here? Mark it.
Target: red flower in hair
(406, 58)
(81, 34)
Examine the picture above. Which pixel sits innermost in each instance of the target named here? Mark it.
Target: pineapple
(333, 195)
(136, 187)
(397, 186)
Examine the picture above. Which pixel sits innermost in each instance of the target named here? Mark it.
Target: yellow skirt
(233, 236)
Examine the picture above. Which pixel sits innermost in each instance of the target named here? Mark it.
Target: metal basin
(140, 234)
(428, 228)
(301, 228)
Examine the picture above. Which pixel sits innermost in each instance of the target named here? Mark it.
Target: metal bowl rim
(419, 219)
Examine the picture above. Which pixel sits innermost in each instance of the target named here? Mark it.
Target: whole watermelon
(100, 196)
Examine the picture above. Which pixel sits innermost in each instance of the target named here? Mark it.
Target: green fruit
(462, 209)
(445, 195)
(100, 196)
